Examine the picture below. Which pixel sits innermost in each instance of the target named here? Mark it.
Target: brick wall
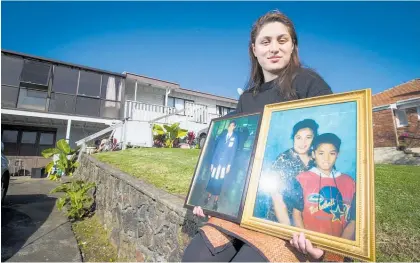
(413, 127)
(383, 129)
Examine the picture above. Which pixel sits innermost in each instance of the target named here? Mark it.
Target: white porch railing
(140, 111)
(193, 112)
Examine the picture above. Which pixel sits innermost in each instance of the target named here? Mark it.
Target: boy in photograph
(326, 199)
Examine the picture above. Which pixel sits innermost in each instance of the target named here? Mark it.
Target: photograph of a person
(222, 171)
(309, 168)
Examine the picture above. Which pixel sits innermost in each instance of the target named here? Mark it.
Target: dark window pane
(28, 137)
(46, 138)
(9, 96)
(129, 89)
(36, 72)
(89, 83)
(9, 139)
(111, 88)
(88, 106)
(65, 79)
(62, 103)
(32, 99)
(28, 144)
(110, 109)
(9, 136)
(171, 102)
(11, 67)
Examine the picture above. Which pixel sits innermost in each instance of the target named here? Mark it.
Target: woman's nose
(274, 47)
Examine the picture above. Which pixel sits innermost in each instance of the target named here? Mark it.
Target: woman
(276, 76)
(286, 167)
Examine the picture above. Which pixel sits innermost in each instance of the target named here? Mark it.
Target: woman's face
(273, 47)
(303, 140)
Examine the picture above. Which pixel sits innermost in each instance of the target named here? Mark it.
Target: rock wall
(146, 223)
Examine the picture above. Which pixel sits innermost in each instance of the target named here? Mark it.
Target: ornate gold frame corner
(363, 247)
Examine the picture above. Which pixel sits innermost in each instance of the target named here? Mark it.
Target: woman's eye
(282, 41)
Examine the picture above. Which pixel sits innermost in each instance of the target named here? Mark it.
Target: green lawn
(168, 169)
(397, 194)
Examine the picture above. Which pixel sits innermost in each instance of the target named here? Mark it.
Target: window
(27, 141)
(88, 106)
(130, 86)
(62, 103)
(418, 113)
(9, 136)
(111, 88)
(65, 80)
(28, 145)
(10, 140)
(110, 109)
(32, 99)
(46, 140)
(11, 68)
(89, 83)
(221, 110)
(401, 117)
(36, 73)
(9, 96)
(171, 102)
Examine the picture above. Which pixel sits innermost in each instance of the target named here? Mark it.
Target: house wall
(412, 128)
(384, 131)
(150, 95)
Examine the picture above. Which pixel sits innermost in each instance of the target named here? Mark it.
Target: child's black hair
(306, 123)
(330, 138)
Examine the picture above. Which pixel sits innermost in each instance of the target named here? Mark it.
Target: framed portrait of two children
(301, 166)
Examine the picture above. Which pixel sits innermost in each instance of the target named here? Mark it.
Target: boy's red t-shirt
(327, 205)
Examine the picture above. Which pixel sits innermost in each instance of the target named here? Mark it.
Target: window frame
(397, 117)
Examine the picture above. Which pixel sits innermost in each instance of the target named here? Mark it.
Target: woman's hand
(304, 246)
(198, 211)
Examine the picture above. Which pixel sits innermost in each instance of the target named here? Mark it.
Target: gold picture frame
(363, 245)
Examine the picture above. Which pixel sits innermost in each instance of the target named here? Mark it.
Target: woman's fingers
(302, 243)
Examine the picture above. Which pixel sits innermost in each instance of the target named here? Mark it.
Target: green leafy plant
(77, 198)
(172, 133)
(67, 160)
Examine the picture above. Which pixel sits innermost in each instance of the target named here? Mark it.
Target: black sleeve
(239, 106)
(309, 84)
(293, 195)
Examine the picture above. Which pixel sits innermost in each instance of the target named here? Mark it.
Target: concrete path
(32, 229)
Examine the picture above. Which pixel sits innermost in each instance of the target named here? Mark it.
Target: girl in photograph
(276, 76)
(290, 164)
(326, 201)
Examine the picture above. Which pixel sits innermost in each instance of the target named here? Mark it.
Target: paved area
(32, 229)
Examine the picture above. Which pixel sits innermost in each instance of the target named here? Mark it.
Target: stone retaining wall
(146, 223)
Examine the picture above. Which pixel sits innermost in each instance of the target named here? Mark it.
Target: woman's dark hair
(284, 81)
(306, 123)
(330, 138)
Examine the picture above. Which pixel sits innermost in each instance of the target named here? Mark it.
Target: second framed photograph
(222, 172)
(313, 173)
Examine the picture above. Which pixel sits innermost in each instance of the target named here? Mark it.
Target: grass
(396, 186)
(397, 212)
(168, 169)
(93, 241)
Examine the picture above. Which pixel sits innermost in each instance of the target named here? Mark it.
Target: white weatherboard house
(44, 100)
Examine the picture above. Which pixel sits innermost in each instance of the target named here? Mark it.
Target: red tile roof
(407, 90)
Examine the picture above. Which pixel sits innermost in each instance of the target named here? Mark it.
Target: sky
(203, 46)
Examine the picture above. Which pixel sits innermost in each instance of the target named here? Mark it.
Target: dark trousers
(197, 251)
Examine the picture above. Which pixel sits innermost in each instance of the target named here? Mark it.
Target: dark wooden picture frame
(241, 168)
